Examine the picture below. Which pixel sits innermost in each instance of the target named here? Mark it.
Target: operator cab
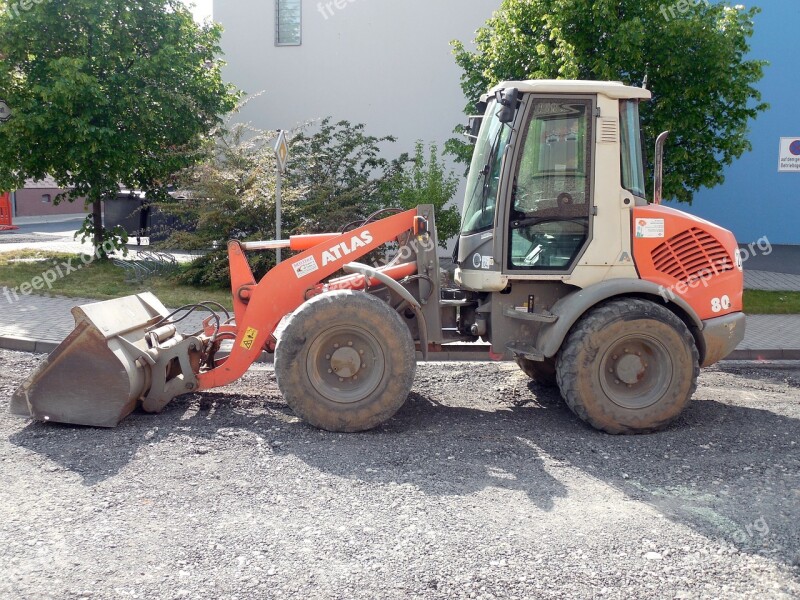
(531, 192)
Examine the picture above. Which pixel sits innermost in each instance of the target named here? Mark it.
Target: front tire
(628, 366)
(345, 362)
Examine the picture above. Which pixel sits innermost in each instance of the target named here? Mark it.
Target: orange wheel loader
(562, 266)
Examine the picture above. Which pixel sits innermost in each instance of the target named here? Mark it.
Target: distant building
(387, 64)
(37, 199)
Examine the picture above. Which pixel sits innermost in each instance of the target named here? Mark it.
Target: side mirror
(474, 128)
(658, 184)
(508, 100)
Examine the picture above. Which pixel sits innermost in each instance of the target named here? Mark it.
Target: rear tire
(542, 372)
(628, 366)
(345, 361)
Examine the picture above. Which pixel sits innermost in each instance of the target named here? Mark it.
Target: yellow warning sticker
(249, 338)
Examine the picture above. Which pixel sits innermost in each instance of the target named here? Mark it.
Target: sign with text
(790, 155)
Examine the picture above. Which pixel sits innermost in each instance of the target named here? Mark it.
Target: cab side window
(552, 200)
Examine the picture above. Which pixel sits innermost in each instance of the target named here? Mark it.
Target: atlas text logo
(343, 249)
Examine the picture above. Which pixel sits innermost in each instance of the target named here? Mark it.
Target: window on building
(46, 198)
(288, 22)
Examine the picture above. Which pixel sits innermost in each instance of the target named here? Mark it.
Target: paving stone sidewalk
(770, 337)
(773, 282)
(39, 323)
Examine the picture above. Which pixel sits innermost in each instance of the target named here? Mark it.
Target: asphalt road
(56, 237)
(61, 229)
(774, 259)
(483, 486)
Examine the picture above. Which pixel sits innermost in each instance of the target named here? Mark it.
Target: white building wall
(385, 63)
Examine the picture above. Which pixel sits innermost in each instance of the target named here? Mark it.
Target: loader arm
(259, 308)
(127, 352)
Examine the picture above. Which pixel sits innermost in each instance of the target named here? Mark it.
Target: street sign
(5, 111)
(282, 151)
(790, 155)
(282, 157)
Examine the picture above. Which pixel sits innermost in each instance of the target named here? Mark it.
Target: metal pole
(278, 185)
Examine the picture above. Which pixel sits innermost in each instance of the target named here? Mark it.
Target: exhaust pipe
(658, 184)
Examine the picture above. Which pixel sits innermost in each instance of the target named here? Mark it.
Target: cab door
(549, 213)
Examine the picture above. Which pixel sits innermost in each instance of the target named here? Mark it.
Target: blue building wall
(756, 200)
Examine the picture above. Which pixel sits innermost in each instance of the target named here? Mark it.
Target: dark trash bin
(140, 218)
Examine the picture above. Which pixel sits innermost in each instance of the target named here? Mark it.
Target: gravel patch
(483, 486)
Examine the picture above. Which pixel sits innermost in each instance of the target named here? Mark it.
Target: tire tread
(568, 368)
(290, 367)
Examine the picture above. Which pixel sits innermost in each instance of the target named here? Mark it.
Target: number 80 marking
(720, 304)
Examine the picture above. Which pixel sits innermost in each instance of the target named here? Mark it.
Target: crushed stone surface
(483, 486)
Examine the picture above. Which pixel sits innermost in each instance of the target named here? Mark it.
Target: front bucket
(95, 376)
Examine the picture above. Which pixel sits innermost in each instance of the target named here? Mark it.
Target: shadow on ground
(722, 470)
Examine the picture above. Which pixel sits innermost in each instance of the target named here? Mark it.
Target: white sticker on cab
(649, 228)
(305, 267)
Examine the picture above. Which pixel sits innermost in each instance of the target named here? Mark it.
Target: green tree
(231, 195)
(427, 181)
(336, 176)
(344, 175)
(694, 59)
(107, 93)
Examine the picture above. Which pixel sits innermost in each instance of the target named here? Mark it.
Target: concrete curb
(773, 354)
(21, 344)
(27, 345)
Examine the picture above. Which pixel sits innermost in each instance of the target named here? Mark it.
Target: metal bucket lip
(94, 377)
(143, 310)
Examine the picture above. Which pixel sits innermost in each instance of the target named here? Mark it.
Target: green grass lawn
(100, 280)
(757, 302)
(104, 281)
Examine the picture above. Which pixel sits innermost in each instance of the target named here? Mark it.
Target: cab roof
(612, 89)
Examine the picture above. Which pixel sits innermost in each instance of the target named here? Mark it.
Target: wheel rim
(636, 371)
(345, 364)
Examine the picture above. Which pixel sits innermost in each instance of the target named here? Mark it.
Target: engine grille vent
(609, 131)
(691, 255)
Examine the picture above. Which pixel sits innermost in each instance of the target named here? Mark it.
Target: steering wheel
(564, 199)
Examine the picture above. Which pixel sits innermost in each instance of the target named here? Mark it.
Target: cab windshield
(484, 173)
